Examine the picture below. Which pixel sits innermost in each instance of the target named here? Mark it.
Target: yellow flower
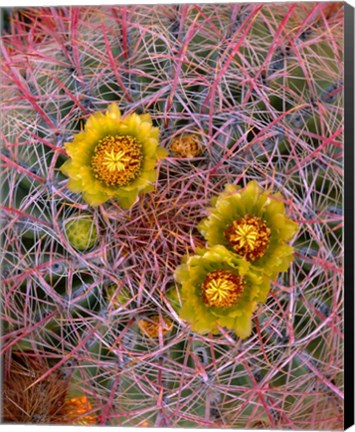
(220, 288)
(113, 157)
(253, 224)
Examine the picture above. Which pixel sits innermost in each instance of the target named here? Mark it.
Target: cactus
(254, 91)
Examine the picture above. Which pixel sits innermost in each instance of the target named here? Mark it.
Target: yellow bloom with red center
(253, 224)
(113, 157)
(219, 288)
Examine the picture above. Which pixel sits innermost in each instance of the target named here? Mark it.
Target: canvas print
(171, 200)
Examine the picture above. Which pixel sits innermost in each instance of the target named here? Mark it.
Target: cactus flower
(113, 157)
(220, 288)
(252, 224)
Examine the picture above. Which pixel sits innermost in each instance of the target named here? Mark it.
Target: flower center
(222, 289)
(249, 236)
(117, 160)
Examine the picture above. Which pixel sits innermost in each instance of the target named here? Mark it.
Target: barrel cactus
(237, 93)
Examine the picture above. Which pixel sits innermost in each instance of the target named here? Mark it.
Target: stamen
(113, 160)
(249, 236)
(222, 289)
(117, 160)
